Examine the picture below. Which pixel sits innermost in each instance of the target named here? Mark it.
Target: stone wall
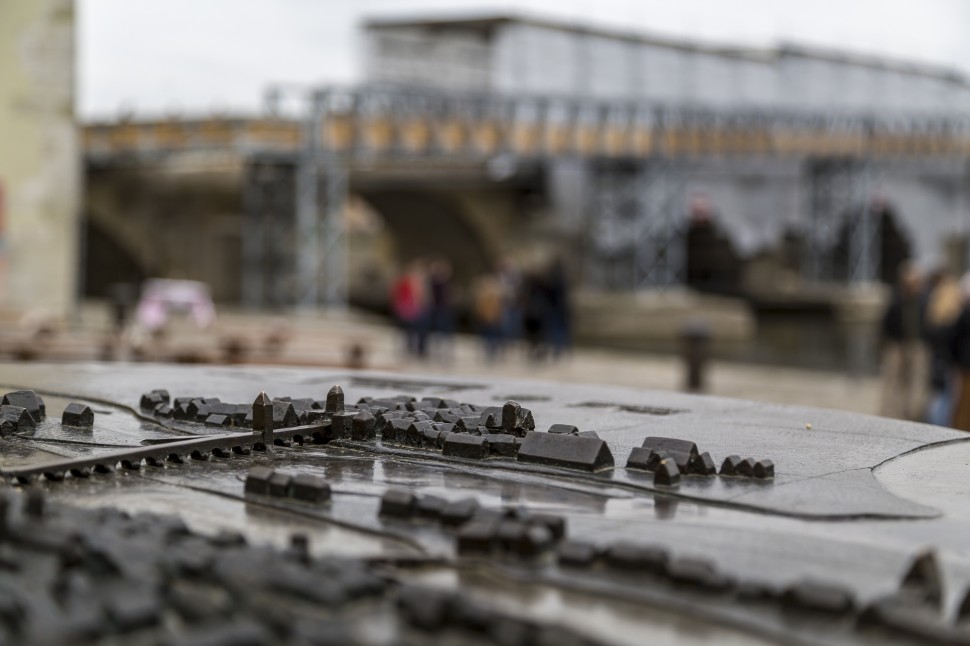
(40, 180)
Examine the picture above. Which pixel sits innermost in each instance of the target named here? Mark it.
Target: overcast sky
(178, 56)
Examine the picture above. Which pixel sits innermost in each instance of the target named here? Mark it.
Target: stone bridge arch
(470, 220)
(472, 229)
(433, 224)
(109, 258)
(154, 221)
(116, 246)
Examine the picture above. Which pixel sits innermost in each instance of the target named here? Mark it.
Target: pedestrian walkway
(354, 339)
(384, 350)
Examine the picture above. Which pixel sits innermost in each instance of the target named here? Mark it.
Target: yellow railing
(416, 135)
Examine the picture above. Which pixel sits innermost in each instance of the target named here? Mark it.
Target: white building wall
(608, 61)
(536, 59)
(854, 87)
(897, 87)
(663, 73)
(407, 55)
(712, 80)
(876, 89)
(949, 94)
(942, 94)
(550, 63)
(756, 82)
(915, 97)
(814, 81)
(962, 98)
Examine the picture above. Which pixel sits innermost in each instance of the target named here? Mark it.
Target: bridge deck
(366, 124)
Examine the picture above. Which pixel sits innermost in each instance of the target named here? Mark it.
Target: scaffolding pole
(321, 197)
(252, 237)
(660, 254)
(841, 203)
(334, 236)
(308, 211)
(267, 232)
(637, 224)
(832, 196)
(612, 209)
(865, 235)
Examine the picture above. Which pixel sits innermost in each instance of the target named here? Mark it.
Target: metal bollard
(695, 338)
(122, 297)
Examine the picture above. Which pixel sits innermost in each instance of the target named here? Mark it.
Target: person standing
(410, 303)
(422, 324)
(489, 313)
(442, 306)
(535, 314)
(960, 354)
(513, 289)
(488, 310)
(943, 307)
(559, 326)
(904, 356)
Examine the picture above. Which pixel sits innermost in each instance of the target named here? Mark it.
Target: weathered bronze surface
(420, 510)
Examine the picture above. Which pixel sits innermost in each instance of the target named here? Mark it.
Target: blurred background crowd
(926, 349)
(508, 306)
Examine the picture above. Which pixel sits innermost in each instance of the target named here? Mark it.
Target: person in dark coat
(441, 289)
(943, 305)
(960, 354)
(558, 319)
(535, 314)
(905, 360)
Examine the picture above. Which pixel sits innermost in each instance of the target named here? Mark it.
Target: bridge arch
(425, 224)
(108, 258)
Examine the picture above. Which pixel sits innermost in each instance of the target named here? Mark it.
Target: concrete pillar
(40, 163)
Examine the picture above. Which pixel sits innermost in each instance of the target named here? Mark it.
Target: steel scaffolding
(268, 237)
(321, 194)
(637, 217)
(294, 243)
(841, 210)
(640, 158)
(615, 206)
(865, 235)
(660, 252)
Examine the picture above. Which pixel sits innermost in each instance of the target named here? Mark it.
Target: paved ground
(330, 338)
(795, 557)
(325, 341)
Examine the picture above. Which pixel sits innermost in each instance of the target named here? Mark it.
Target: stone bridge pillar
(40, 175)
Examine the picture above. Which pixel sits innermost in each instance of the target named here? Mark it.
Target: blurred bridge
(617, 178)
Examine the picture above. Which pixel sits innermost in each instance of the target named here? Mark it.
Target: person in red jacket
(409, 302)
